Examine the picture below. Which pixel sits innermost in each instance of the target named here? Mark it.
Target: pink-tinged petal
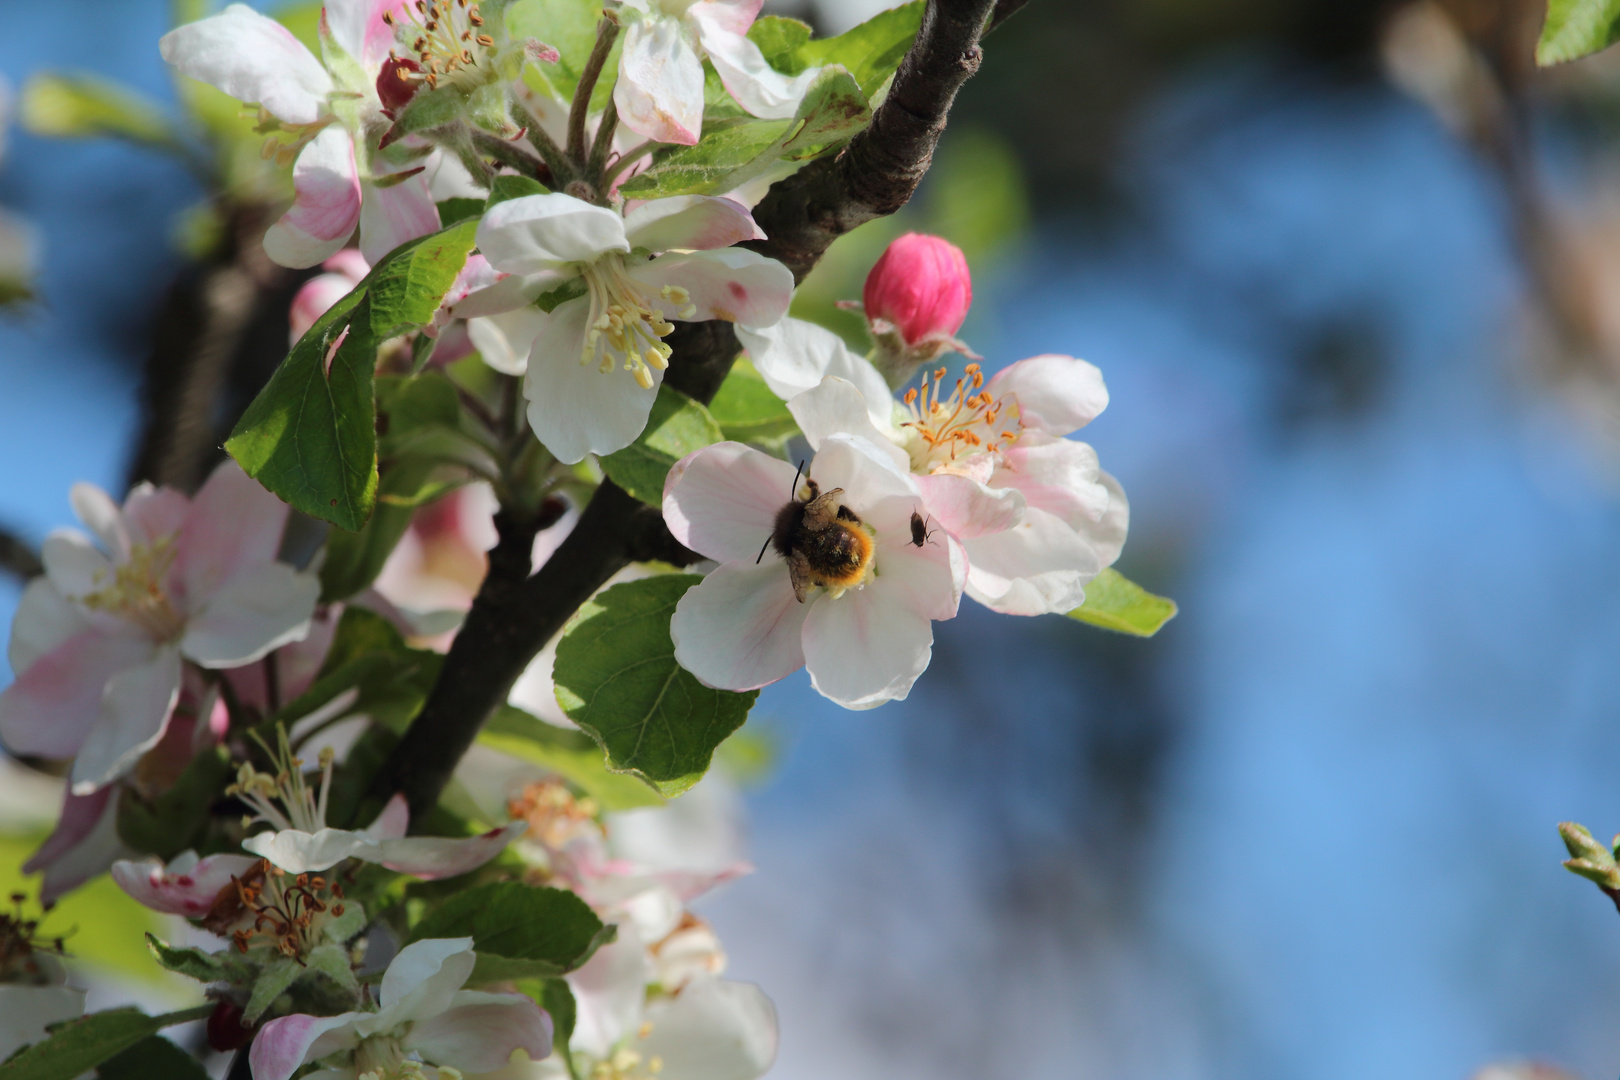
(740, 627)
(1059, 476)
(154, 513)
(660, 88)
(758, 87)
(134, 711)
(920, 286)
(102, 517)
(734, 16)
(358, 28)
(80, 814)
(185, 886)
(421, 981)
(234, 524)
(733, 284)
(393, 215)
(1039, 566)
(261, 608)
(393, 822)
(608, 993)
(350, 263)
(299, 852)
(296, 664)
(967, 508)
(479, 1031)
(326, 203)
(575, 408)
(715, 1029)
(838, 407)
(45, 619)
(254, 59)
(794, 356)
(1108, 534)
(721, 501)
(283, 1046)
(690, 222)
(505, 340)
(928, 579)
(507, 292)
(1056, 394)
(87, 858)
(539, 232)
(52, 706)
(26, 1010)
(313, 299)
(866, 647)
(73, 564)
(433, 857)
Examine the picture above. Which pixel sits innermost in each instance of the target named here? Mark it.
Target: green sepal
(508, 186)
(206, 967)
(1577, 28)
(275, 979)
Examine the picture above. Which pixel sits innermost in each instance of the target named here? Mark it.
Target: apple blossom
(186, 885)
(919, 289)
(332, 116)
(660, 88)
(421, 1010)
(863, 631)
(99, 641)
(578, 402)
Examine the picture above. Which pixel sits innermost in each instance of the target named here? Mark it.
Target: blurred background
(1352, 272)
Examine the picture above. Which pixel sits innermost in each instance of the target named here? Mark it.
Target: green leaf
(369, 656)
(872, 51)
(206, 967)
(83, 107)
(617, 679)
(175, 820)
(780, 39)
(677, 426)
(153, 1058)
(733, 152)
(1576, 28)
(310, 436)
(1114, 602)
(518, 922)
(459, 209)
(79, 1045)
(747, 410)
(513, 187)
(573, 755)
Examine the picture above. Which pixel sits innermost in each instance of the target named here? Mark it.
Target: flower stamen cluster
(963, 422)
(300, 807)
(22, 948)
(284, 150)
(284, 913)
(136, 591)
(628, 1064)
(448, 40)
(555, 816)
(623, 324)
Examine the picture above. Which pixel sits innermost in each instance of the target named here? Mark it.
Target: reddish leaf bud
(225, 1028)
(396, 84)
(921, 288)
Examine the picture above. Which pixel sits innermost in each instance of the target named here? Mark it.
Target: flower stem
(504, 152)
(603, 145)
(607, 31)
(629, 157)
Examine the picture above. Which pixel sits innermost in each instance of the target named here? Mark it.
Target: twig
(17, 558)
(606, 32)
(515, 614)
(1005, 9)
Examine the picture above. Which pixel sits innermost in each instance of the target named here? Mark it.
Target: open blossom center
(284, 799)
(136, 590)
(448, 40)
(624, 327)
(945, 427)
(555, 817)
(627, 1064)
(288, 914)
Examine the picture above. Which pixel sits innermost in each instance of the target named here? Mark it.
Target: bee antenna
(793, 493)
(762, 548)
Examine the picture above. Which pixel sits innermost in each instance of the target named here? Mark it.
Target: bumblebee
(822, 541)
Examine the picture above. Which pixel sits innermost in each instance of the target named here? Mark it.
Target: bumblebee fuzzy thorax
(823, 542)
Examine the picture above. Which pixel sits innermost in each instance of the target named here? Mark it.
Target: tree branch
(515, 614)
(19, 559)
(1005, 9)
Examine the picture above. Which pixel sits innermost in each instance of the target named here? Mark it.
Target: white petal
(721, 501)
(928, 579)
(134, 711)
(234, 524)
(254, 59)
(794, 356)
(1056, 394)
(260, 609)
(608, 993)
(967, 508)
(283, 1045)
(740, 627)
(690, 222)
(1108, 534)
(1059, 476)
(52, 707)
(423, 978)
(733, 284)
(186, 886)
(837, 406)
(866, 647)
(25, 1010)
(433, 857)
(660, 88)
(73, 564)
(576, 409)
(357, 26)
(505, 340)
(393, 215)
(44, 620)
(758, 87)
(877, 489)
(392, 822)
(506, 292)
(326, 203)
(537, 232)
(88, 857)
(1039, 566)
(299, 852)
(153, 513)
(102, 517)
(714, 1029)
(479, 1031)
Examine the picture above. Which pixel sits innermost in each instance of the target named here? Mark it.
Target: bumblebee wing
(800, 574)
(821, 511)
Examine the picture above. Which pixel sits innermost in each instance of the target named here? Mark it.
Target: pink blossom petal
(44, 620)
(254, 59)
(73, 564)
(296, 663)
(259, 609)
(154, 513)
(874, 486)
(721, 501)
(740, 627)
(867, 647)
(423, 979)
(758, 87)
(313, 299)
(326, 203)
(714, 1029)
(733, 284)
(135, 709)
(733, 16)
(660, 88)
(433, 857)
(52, 706)
(575, 408)
(1056, 394)
(479, 1031)
(1107, 535)
(608, 993)
(392, 822)
(90, 856)
(80, 813)
(234, 524)
(1039, 566)
(102, 517)
(186, 886)
(283, 1046)
(394, 215)
(1059, 476)
(967, 508)
(690, 222)
(357, 26)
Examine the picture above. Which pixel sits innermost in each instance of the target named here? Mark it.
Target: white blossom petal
(758, 87)
(794, 356)
(254, 59)
(608, 993)
(721, 501)
(966, 508)
(282, 1046)
(73, 564)
(260, 609)
(45, 619)
(433, 857)
(102, 517)
(421, 981)
(1039, 566)
(186, 886)
(575, 408)
(135, 709)
(394, 215)
(733, 284)
(326, 203)
(838, 406)
(539, 232)
(741, 627)
(505, 340)
(1056, 394)
(660, 87)
(867, 647)
(479, 1031)
(233, 524)
(689, 222)
(715, 1029)
(51, 708)
(299, 852)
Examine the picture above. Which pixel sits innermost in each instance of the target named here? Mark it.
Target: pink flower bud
(395, 83)
(319, 293)
(920, 287)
